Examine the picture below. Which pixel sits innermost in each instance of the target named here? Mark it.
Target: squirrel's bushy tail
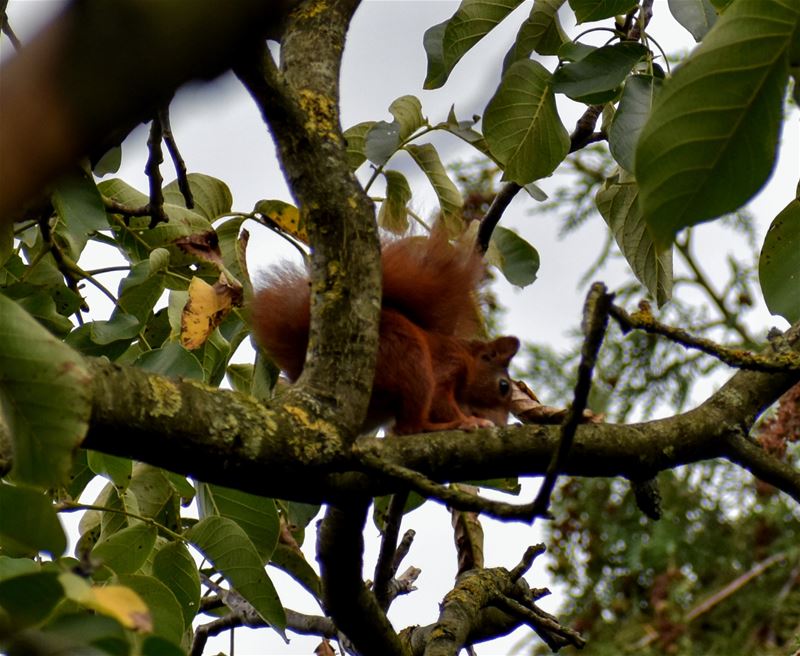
(427, 280)
(432, 283)
(280, 316)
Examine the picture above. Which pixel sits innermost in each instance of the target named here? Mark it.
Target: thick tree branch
(59, 104)
(300, 105)
(461, 619)
(340, 546)
(280, 451)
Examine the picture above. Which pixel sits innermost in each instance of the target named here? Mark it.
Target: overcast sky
(221, 133)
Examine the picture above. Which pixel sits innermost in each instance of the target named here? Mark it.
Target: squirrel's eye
(504, 386)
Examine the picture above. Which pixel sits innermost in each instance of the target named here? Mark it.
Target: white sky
(221, 133)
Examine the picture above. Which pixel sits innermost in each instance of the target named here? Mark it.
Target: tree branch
(300, 105)
(767, 362)
(227, 438)
(340, 546)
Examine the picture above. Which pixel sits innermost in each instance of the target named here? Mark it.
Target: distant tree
(133, 397)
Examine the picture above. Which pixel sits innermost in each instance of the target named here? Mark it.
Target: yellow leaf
(117, 601)
(207, 306)
(285, 216)
(123, 604)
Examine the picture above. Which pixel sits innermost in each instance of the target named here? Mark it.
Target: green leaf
(618, 204)
(181, 485)
(214, 355)
(521, 124)
(81, 340)
(449, 196)
(240, 377)
(171, 360)
(381, 142)
(712, 137)
(29, 523)
(158, 646)
(596, 78)
(535, 192)
(574, 51)
(211, 196)
(79, 205)
(356, 137)
(464, 130)
(433, 42)
(155, 495)
(80, 475)
(109, 162)
(295, 565)
(594, 10)
(407, 112)
(42, 307)
(139, 291)
(44, 397)
(540, 32)
(519, 261)
(697, 16)
(30, 598)
(11, 567)
(127, 550)
(393, 214)
(265, 376)
(118, 470)
(80, 630)
(634, 109)
(162, 603)
(226, 545)
(137, 240)
(779, 264)
(258, 516)
(473, 20)
(300, 514)
(174, 567)
(122, 192)
(121, 326)
(159, 260)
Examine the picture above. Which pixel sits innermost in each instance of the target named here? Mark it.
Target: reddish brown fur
(428, 376)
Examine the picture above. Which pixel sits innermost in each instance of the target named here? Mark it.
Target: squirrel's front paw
(474, 423)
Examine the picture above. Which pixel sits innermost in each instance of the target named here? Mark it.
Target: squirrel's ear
(505, 348)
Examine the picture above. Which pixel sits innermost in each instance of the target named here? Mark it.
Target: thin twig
(385, 568)
(495, 212)
(531, 554)
(177, 160)
(449, 496)
(782, 362)
(153, 173)
(118, 208)
(547, 627)
(596, 310)
(6, 27)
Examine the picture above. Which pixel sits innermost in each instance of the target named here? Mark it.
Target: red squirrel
(429, 375)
